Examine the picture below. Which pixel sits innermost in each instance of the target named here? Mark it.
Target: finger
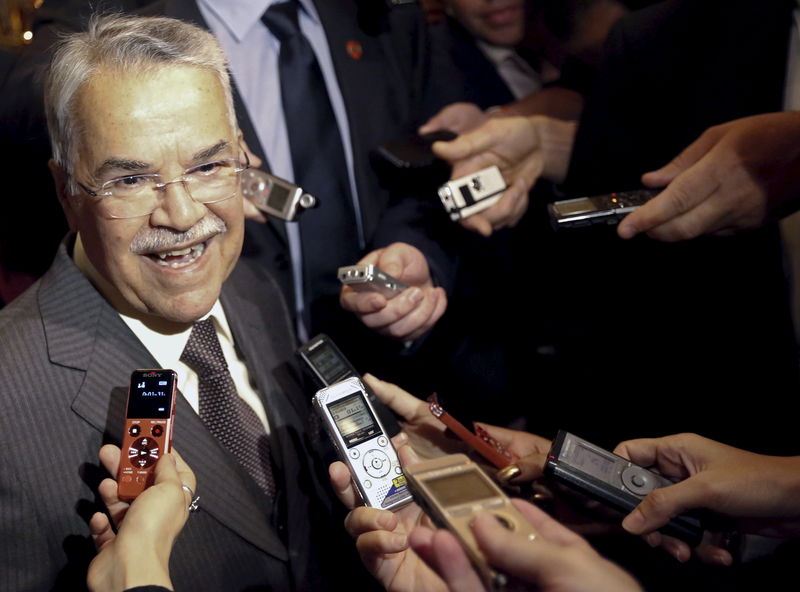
(471, 144)
(101, 531)
(546, 526)
(417, 321)
(677, 548)
(251, 212)
(364, 519)
(186, 473)
(682, 195)
(528, 468)
(408, 456)
(393, 259)
(477, 223)
(381, 542)
(394, 309)
(361, 303)
(686, 159)
(453, 565)
(439, 307)
(109, 457)
(420, 539)
(707, 217)
(343, 485)
(663, 503)
(711, 554)
(109, 493)
(398, 400)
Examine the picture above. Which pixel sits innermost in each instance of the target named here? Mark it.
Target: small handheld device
(148, 429)
(600, 209)
(612, 480)
(275, 196)
(414, 152)
(368, 277)
(363, 444)
(328, 365)
(451, 489)
(480, 441)
(473, 193)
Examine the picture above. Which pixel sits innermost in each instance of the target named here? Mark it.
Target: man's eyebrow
(125, 164)
(211, 152)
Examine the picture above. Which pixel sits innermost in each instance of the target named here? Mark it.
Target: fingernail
(633, 522)
(509, 472)
(723, 558)
(415, 296)
(400, 439)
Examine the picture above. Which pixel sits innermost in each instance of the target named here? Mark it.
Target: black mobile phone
(413, 152)
(328, 365)
(612, 480)
(148, 429)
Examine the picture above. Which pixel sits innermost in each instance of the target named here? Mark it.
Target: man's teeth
(180, 257)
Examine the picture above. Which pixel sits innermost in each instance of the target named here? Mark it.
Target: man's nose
(176, 208)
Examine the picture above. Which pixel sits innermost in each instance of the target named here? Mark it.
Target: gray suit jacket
(67, 358)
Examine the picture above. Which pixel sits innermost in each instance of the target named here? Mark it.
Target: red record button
(157, 430)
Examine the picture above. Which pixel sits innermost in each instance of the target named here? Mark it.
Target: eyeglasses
(139, 195)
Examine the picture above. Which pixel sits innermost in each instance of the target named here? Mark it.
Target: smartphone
(472, 193)
(363, 444)
(599, 209)
(414, 152)
(275, 196)
(480, 441)
(451, 489)
(367, 277)
(327, 365)
(148, 429)
(612, 480)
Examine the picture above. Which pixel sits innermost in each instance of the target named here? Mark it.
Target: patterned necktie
(232, 421)
(328, 231)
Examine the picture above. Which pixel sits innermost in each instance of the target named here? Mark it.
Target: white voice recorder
(363, 444)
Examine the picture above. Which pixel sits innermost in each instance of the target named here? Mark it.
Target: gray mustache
(161, 238)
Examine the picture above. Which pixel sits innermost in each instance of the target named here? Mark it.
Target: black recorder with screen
(363, 444)
(328, 365)
(612, 480)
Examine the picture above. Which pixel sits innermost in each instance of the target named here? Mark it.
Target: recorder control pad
(640, 481)
(144, 452)
(376, 463)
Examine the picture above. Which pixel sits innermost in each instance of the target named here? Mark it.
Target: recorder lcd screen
(461, 488)
(593, 463)
(327, 363)
(150, 396)
(354, 419)
(278, 196)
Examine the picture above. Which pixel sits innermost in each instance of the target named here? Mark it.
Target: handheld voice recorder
(600, 209)
(472, 193)
(612, 480)
(328, 365)
(366, 277)
(363, 444)
(451, 489)
(275, 196)
(148, 429)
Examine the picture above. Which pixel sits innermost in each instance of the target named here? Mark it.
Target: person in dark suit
(146, 161)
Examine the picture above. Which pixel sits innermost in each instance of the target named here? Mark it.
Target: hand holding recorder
(138, 554)
(524, 148)
(760, 492)
(407, 315)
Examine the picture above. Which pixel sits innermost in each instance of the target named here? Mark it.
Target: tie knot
(203, 353)
(281, 20)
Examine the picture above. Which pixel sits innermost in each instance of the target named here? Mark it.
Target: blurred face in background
(497, 22)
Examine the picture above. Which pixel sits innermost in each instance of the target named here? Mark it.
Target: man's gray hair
(121, 44)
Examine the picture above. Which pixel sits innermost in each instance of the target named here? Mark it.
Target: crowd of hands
(734, 177)
(406, 552)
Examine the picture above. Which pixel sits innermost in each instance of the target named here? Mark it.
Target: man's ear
(60, 179)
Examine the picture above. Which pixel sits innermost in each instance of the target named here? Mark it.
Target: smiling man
(146, 158)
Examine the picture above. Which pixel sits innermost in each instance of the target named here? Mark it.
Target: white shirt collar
(239, 16)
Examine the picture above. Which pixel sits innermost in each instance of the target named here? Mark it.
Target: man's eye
(127, 184)
(209, 169)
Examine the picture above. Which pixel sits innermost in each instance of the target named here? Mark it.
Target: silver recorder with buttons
(473, 193)
(612, 480)
(363, 444)
(275, 196)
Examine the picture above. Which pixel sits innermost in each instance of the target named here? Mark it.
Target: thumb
(662, 504)
(693, 153)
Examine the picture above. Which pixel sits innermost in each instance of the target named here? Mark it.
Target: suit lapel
(84, 332)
